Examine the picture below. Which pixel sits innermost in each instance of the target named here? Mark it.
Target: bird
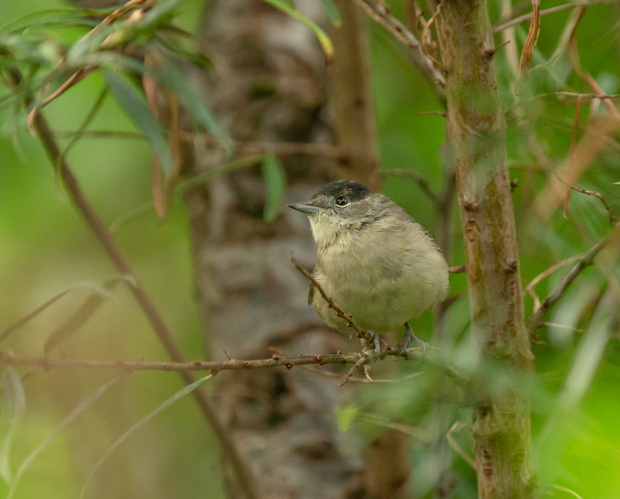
(373, 260)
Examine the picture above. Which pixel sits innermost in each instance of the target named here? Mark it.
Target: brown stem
(196, 365)
(557, 293)
(115, 254)
(476, 134)
(380, 13)
(552, 10)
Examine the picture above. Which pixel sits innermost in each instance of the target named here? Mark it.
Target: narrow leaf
(13, 413)
(194, 103)
(590, 352)
(175, 398)
(134, 105)
(92, 285)
(75, 413)
(332, 12)
(83, 313)
(275, 181)
(345, 417)
(324, 40)
(159, 14)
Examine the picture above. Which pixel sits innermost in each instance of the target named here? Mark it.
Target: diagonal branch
(380, 13)
(557, 293)
(121, 264)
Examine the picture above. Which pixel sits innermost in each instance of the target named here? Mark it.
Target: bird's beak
(308, 209)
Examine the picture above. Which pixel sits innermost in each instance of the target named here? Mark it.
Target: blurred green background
(45, 248)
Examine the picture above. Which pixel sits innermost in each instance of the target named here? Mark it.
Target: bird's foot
(376, 345)
(371, 351)
(408, 338)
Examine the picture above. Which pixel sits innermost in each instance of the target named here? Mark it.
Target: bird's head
(338, 208)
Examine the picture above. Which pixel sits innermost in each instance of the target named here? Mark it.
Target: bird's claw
(408, 338)
(376, 345)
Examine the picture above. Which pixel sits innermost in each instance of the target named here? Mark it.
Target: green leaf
(275, 181)
(590, 352)
(84, 312)
(193, 102)
(175, 398)
(332, 12)
(75, 413)
(134, 104)
(345, 417)
(324, 40)
(92, 285)
(159, 14)
(12, 416)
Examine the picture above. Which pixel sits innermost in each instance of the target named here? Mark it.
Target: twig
(610, 213)
(380, 13)
(280, 148)
(529, 289)
(552, 10)
(197, 365)
(457, 270)
(368, 356)
(121, 264)
(361, 333)
(416, 177)
(455, 428)
(584, 96)
(562, 286)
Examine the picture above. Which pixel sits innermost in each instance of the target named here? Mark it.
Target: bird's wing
(310, 293)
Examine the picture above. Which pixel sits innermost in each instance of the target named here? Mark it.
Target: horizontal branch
(552, 10)
(197, 365)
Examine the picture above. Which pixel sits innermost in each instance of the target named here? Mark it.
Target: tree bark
(270, 85)
(476, 130)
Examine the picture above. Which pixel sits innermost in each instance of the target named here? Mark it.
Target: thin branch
(84, 206)
(361, 333)
(212, 366)
(557, 293)
(529, 289)
(552, 10)
(455, 428)
(610, 213)
(416, 177)
(280, 148)
(380, 13)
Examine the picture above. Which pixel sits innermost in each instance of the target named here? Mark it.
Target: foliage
(44, 248)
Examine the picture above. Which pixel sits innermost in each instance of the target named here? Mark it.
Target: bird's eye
(342, 201)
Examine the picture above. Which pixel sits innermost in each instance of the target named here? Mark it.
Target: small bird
(375, 261)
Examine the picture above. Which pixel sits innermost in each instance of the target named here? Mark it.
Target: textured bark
(476, 129)
(269, 86)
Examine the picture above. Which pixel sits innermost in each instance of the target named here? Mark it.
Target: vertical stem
(476, 132)
(352, 95)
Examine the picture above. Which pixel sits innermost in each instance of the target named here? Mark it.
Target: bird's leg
(378, 343)
(408, 338)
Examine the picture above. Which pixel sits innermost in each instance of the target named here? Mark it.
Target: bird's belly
(382, 307)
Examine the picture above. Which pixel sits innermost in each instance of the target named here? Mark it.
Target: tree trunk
(476, 130)
(270, 86)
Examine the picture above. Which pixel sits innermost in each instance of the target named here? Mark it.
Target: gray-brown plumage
(373, 259)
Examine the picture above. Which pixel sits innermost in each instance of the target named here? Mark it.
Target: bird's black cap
(353, 191)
